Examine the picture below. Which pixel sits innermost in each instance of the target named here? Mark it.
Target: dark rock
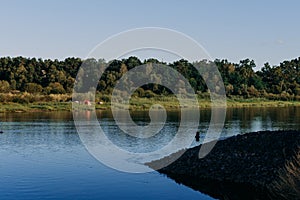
(246, 162)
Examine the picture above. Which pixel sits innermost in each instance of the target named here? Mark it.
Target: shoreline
(139, 104)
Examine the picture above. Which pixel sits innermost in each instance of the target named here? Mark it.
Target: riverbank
(169, 103)
(247, 166)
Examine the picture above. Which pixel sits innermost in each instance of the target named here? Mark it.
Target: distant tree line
(44, 77)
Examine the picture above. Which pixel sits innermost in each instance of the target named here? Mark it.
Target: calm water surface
(42, 157)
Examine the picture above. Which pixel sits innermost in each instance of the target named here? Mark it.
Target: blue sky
(266, 31)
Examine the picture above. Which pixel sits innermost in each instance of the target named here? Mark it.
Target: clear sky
(266, 31)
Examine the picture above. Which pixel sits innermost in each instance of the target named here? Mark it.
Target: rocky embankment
(242, 166)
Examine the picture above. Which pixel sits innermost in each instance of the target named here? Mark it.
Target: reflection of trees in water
(281, 117)
(41, 116)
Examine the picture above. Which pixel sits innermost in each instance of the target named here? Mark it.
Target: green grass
(136, 103)
(35, 107)
(259, 102)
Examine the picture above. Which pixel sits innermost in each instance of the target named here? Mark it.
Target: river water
(42, 156)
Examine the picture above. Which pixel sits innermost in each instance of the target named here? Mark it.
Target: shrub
(149, 94)
(56, 88)
(33, 88)
(4, 86)
(288, 184)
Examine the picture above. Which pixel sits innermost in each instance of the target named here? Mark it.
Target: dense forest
(21, 75)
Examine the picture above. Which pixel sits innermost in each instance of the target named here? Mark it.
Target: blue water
(42, 157)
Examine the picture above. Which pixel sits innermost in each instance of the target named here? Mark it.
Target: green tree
(55, 88)
(33, 88)
(4, 86)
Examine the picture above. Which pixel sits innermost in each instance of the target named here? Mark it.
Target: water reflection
(238, 121)
(28, 137)
(42, 157)
(242, 120)
(36, 116)
(222, 190)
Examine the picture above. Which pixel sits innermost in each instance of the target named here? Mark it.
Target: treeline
(45, 77)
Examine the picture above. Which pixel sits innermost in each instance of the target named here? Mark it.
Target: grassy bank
(35, 107)
(169, 103)
(260, 102)
(172, 103)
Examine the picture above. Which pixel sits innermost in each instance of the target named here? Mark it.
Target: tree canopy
(47, 76)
